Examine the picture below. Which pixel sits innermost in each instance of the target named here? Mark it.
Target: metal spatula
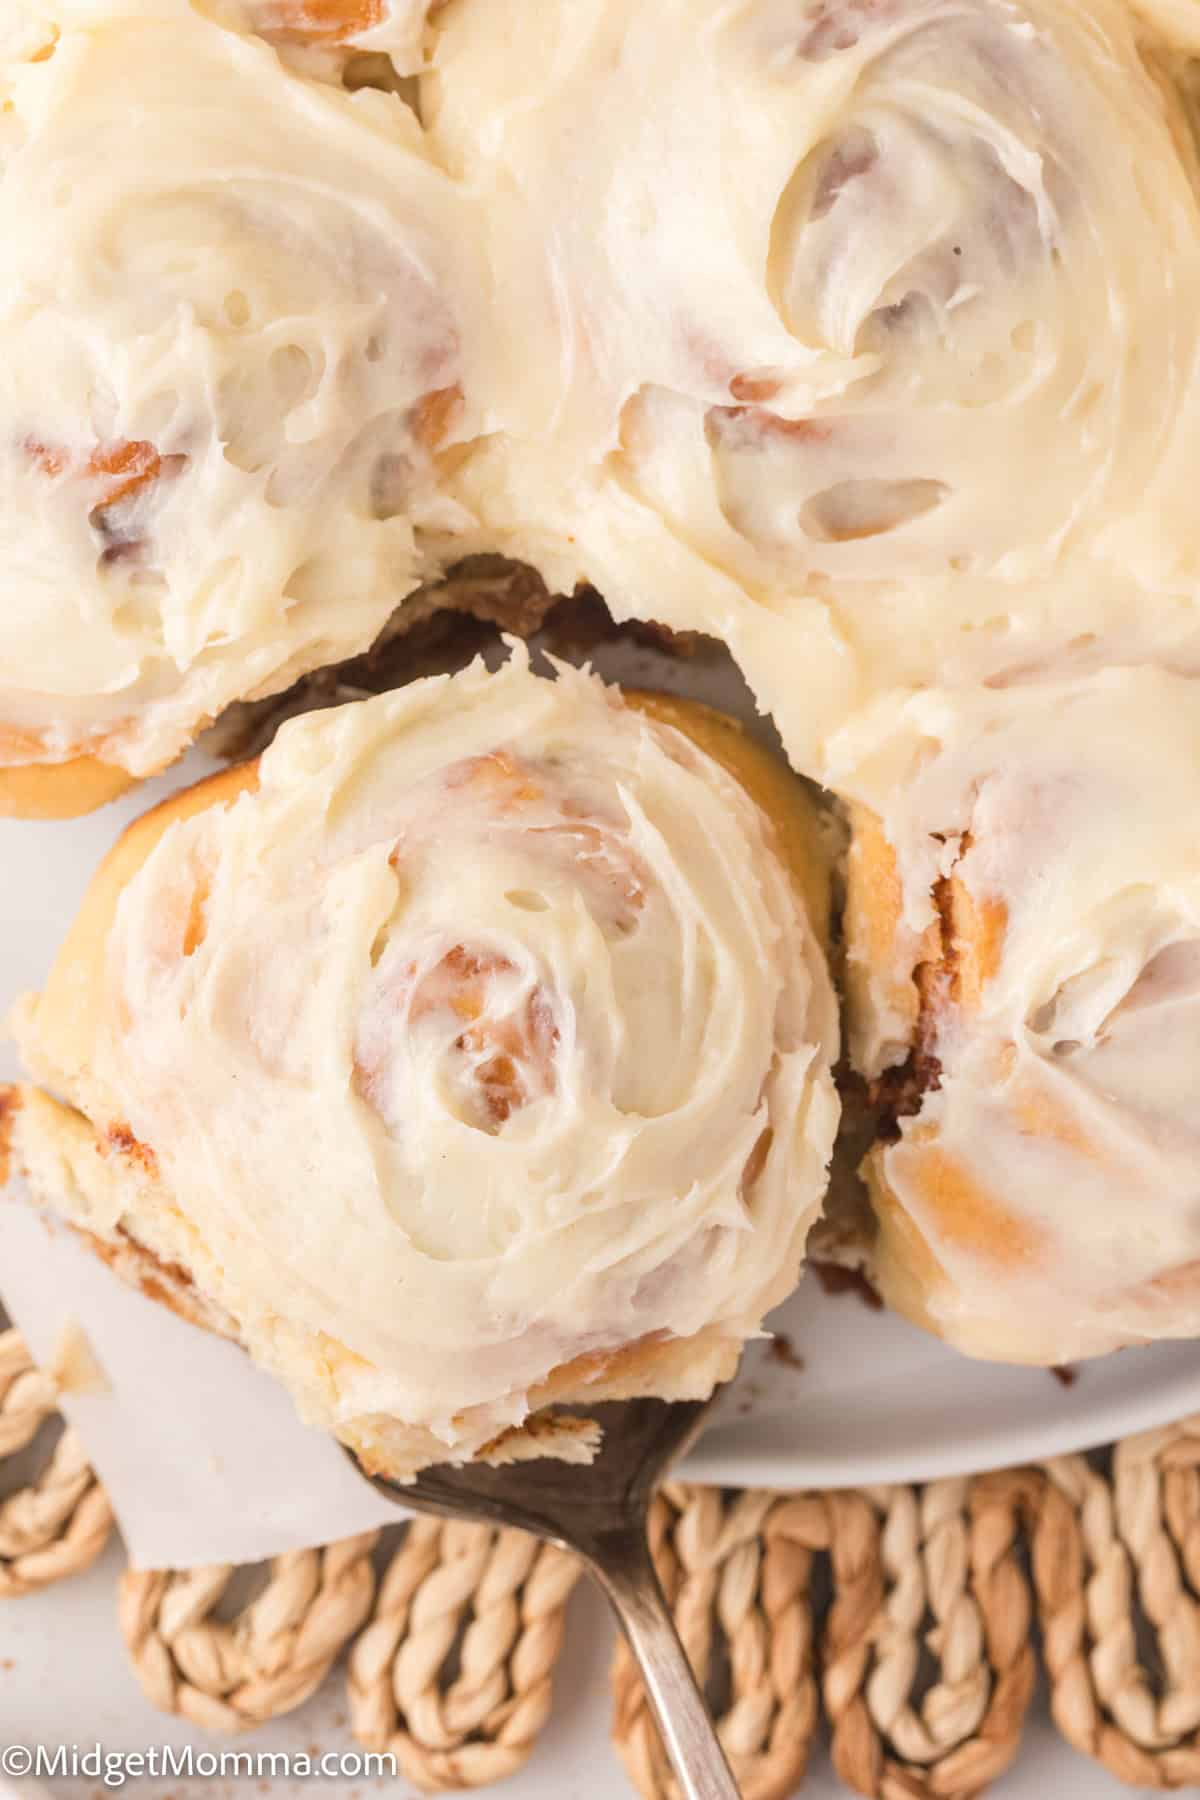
(598, 1511)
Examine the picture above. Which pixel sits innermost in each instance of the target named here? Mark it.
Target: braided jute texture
(229, 1675)
(922, 1578)
(903, 1614)
(58, 1522)
(736, 1570)
(929, 1576)
(454, 1672)
(1116, 1563)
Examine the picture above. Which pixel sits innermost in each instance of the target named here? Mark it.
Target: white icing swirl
(487, 1033)
(238, 332)
(873, 327)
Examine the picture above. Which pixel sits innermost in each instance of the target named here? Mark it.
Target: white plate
(875, 1400)
(878, 1400)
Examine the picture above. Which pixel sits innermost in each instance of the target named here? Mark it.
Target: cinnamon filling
(119, 1140)
(501, 1057)
(118, 477)
(899, 1093)
(837, 1279)
(966, 942)
(511, 1054)
(317, 21)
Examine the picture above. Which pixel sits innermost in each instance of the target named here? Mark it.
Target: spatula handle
(622, 1565)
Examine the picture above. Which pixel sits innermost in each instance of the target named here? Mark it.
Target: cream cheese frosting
(241, 317)
(486, 1033)
(1052, 1166)
(867, 332)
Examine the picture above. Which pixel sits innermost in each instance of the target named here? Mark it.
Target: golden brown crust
(954, 959)
(972, 939)
(63, 790)
(872, 926)
(67, 1013)
(902, 1265)
(769, 781)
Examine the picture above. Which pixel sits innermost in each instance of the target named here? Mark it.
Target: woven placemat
(1117, 1567)
(922, 1633)
(737, 1570)
(927, 1610)
(454, 1674)
(229, 1674)
(55, 1518)
(910, 1619)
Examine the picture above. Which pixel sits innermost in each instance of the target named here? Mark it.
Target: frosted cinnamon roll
(873, 327)
(468, 1053)
(1023, 936)
(240, 322)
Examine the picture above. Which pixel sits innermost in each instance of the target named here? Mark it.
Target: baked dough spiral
(868, 327)
(240, 322)
(1023, 935)
(471, 1050)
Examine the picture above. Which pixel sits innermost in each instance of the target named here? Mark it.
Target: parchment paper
(203, 1455)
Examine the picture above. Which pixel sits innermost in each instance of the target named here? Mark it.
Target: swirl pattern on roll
(238, 328)
(874, 327)
(485, 1034)
(1024, 973)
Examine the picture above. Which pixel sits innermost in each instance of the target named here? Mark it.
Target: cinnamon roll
(872, 327)
(241, 328)
(1023, 940)
(469, 1052)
